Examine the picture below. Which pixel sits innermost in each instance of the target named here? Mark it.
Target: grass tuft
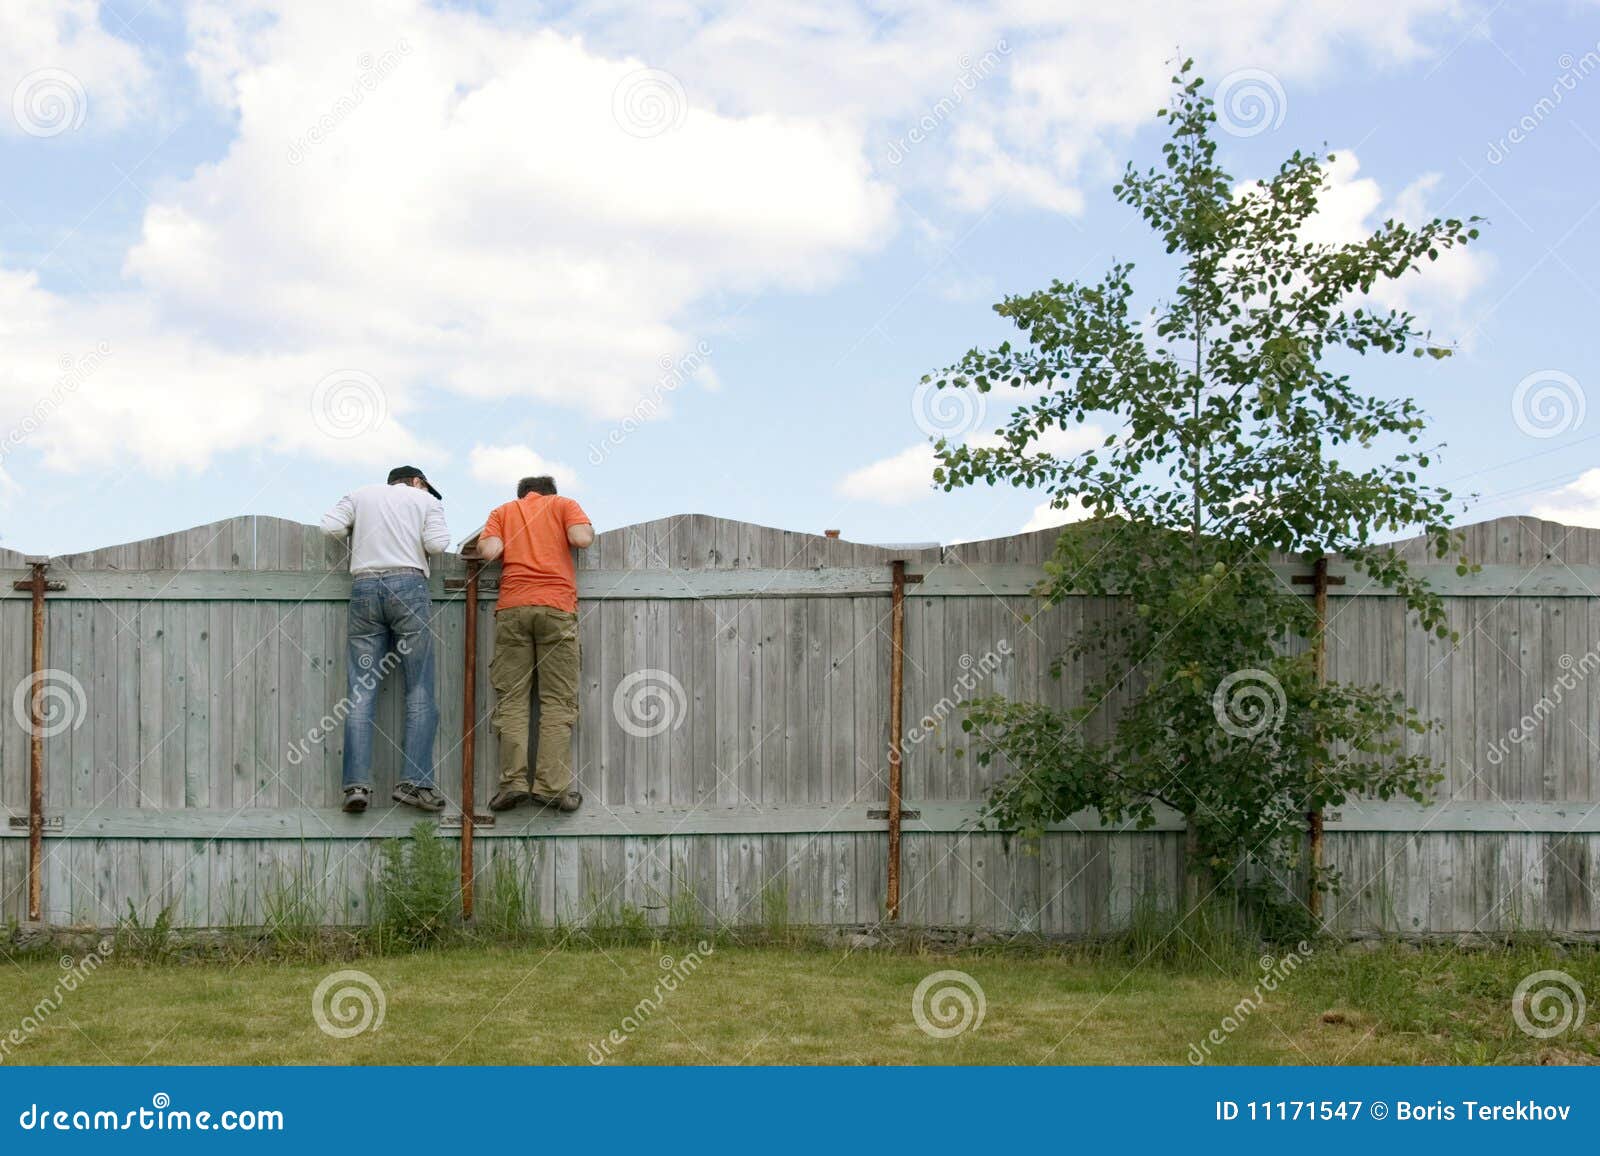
(508, 911)
(418, 892)
(145, 942)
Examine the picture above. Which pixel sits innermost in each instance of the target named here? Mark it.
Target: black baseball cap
(406, 473)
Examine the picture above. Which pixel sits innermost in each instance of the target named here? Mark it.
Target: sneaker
(568, 802)
(422, 798)
(356, 799)
(508, 799)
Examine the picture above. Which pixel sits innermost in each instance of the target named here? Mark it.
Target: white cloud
(61, 71)
(1071, 83)
(1575, 504)
(170, 403)
(505, 466)
(905, 477)
(429, 201)
(1045, 516)
(437, 200)
(908, 475)
(1351, 207)
(481, 208)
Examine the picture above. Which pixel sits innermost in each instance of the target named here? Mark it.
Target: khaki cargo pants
(531, 640)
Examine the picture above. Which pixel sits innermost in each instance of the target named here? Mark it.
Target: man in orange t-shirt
(536, 631)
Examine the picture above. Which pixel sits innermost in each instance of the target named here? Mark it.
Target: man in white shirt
(393, 529)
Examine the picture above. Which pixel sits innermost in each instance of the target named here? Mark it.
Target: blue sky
(252, 254)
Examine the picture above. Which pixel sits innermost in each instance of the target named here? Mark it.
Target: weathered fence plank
(200, 770)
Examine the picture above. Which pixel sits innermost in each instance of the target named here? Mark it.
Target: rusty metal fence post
(1319, 583)
(897, 662)
(36, 585)
(469, 733)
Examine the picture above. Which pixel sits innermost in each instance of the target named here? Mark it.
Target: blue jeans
(390, 615)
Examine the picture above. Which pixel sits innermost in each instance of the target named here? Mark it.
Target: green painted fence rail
(734, 735)
(945, 579)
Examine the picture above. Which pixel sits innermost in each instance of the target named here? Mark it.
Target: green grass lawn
(805, 1005)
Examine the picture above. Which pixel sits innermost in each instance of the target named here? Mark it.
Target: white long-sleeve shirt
(389, 527)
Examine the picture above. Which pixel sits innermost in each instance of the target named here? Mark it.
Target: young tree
(1231, 432)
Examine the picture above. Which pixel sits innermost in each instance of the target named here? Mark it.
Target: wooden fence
(734, 736)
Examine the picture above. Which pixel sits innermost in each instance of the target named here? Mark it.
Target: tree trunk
(1197, 879)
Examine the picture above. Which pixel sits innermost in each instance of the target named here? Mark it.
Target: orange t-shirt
(536, 567)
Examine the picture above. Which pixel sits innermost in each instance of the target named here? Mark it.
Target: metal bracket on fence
(453, 822)
(883, 813)
(51, 822)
